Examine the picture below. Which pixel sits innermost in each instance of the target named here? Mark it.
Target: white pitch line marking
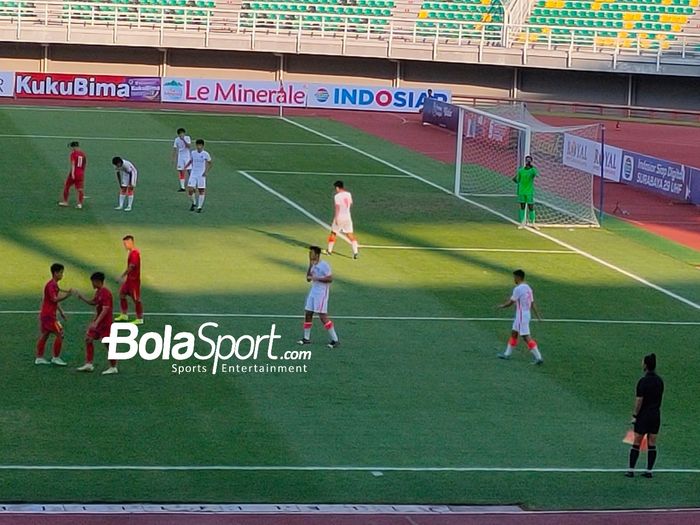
(334, 174)
(293, 204)
(145, 139)
(561, 243)
(648, 322)
(321, 468)
(98, 109)
(447, 249)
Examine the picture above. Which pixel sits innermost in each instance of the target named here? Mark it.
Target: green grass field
(401, 393)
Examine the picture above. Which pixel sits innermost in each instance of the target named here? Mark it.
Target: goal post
(492, 144)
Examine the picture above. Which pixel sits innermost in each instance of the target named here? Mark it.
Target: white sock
(201, 201)
(331, 333)
(182, 184)
(122, 198)
(509, 351)
(331, 244)
(307, 332)
(193, 196)
(536, 354)
(130, 201)
(355, 247)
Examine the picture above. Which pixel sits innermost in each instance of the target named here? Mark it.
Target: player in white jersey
(127, 175)
(199, 166)
(524, 301)
(342, 219)
(181, 155)
(320, 276)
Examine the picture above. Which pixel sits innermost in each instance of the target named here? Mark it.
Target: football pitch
(413, 407)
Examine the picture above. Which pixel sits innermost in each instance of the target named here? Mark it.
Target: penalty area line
(330, 174)
(490, 210)
(293, 204)
(447, 249)
(321, 468)
(386, 318)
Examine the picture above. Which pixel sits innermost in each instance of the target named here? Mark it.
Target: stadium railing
(584, 109)
(305, 27)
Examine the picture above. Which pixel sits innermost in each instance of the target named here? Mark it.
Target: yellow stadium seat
(693, 3)
(546, 30)
(534, 37)
(595, 6)
(623, 34)
(628, 16)
(422, 14)
(665, 44)
(486, 18)
(660, 37)
(666, 2)
(676, 28)
(628, 25)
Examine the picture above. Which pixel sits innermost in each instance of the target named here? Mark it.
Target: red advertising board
(86, 87)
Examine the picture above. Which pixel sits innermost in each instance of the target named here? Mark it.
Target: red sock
(40, 346)
(57, 346)
(113, 363)
(81, 196)
(89, 351)
(123, 305)
(66, 188)
(182, 175)
(139, 310)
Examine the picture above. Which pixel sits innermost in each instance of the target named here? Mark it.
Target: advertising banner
(232, 92)
(585, 154)
(87, 87)
(439, 113)
(693, 175)
(7, 84)
(657, 175)
(397, 100)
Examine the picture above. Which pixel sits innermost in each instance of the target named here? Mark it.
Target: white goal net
(494, 144)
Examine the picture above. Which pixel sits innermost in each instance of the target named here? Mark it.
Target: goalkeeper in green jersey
(525, 179)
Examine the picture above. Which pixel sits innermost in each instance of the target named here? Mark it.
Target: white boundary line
(387, 318)
(334, 174)
(321, 468)
(327, 226)
(297, 509)
(442, 249)
(561, 243)
(293, 204)
(105, 109)
(145, 139)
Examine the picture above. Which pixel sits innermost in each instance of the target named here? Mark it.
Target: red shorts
(50, 325)
(132, 289)
(78, 181)
(99, 332)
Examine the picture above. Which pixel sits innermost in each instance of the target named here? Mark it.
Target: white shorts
(128, 179)
(521, 323)
(343, 225)
(317, 303)
(182, 162)
(197, 181)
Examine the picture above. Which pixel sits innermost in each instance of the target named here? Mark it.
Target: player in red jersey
(76, 176)
(100, 325)
(48, 324)
(130, 283)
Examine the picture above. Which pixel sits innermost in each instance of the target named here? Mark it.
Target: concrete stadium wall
(461, 79)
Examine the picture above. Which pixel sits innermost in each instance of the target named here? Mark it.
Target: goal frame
(524, 151)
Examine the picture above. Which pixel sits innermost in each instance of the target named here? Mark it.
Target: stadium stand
(463, 17)
(331, 15)
(193, 12)
(640, 23)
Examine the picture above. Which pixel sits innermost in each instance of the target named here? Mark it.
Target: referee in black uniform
(647, 415)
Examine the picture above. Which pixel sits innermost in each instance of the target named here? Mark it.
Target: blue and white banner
(7, 84)
(585, 154)
(657, 175)
(397, 100)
